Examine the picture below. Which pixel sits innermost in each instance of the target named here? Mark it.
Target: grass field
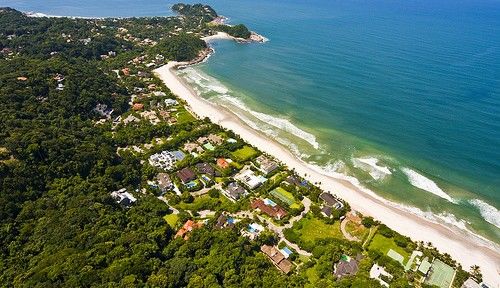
(171, 219)
(383, 245)
(244, 154)
(311, 229)
(283, 195)
(184, 117)
(357, 230)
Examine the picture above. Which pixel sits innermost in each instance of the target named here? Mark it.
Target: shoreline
(456, 243)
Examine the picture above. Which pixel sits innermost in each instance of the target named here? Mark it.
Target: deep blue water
(415, 84)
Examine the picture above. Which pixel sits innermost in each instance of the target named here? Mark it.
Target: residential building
(205, 168)
(266, 165)
(202, 140)
(193, 147)
(189, 226)
(376, 272)
(224, 221)
(270, 208)
(277, 258)
(222, 163)
(215, 139)
(234, 191)
(347, 266)
(327, 211)
(331, 201)
(186, 175)
(249, 178)
(171, 102)
(123, 197)
(253, 231)
(164, 160)
(164, 182)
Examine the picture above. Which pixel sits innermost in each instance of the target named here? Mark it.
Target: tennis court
(440, 274)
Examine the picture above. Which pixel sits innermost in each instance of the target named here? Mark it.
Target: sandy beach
(461, 246)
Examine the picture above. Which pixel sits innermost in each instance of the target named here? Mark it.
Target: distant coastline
(467, 249)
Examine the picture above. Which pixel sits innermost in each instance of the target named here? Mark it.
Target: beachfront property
(166, 159)
(171, 102)
(327, 211)
(277, 258)
(249, 179)
(253, 231)
(471, 283)
(267, 206)
(440, 274)
(189, 226)
(186, 175)
(164, 182)
(266, 165)
(347, 266)
(295, 180)
(234, 191)
(378, 272)
(123, 197)
(331, 201)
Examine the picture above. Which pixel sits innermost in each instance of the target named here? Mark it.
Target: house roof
(221, 162)
(235, 190)
(277, 258)
(186, 175)
(327, 211)
(329, 199)
(273, 211)
(164, 180)
(345, 267)
(205, 168)
(189, 226)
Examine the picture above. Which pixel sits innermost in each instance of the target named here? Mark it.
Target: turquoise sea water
(412, 84)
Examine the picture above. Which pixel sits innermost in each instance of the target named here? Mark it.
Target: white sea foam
(209, 84)
(371, 166)
(287, 126)
(424, 183)
(489, 213)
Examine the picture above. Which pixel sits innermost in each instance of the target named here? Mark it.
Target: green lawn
(184, 117)
(171, 219)
(311, 229)
(244, 154)
(283, 195)
(383, 245)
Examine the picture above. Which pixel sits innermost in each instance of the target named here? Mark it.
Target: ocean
(403, 96)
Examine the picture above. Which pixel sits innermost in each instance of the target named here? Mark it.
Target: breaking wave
(371, 166)
(424, 183)
(207, 85)
(489, 213)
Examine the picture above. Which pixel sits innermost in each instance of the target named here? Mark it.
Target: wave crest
(489, 213)
(424, 183)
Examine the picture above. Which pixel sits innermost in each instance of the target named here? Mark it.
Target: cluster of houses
(203, 143)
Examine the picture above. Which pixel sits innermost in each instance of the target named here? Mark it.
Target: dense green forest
(61, 157)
